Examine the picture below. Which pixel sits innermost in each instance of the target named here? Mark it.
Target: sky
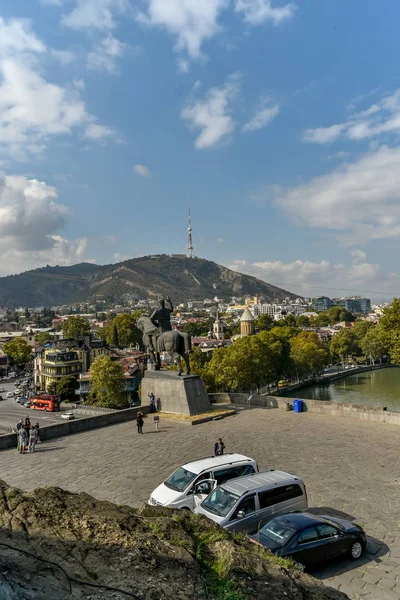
(277, 123)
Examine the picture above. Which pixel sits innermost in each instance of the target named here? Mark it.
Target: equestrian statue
(158, 336)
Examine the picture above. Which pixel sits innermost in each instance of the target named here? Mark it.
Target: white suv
(178, 490)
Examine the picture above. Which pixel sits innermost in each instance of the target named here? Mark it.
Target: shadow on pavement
(333, 512)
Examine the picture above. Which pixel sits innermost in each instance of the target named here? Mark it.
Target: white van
(10, 395)
(178, 490)
(249, 502)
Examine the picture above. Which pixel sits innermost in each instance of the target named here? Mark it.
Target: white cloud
(104, 56)
(379, 119)
(256, 12)
(33, 110)
(332, 279)
(142, 170)
(358, 256)
(94, 131)
(118, 257)
(79, 84)
(360, 199)
(95, 14)
(52, 2)
(212, 114)
(65, 57)
(220, 240)
(263, 116)
(192, 22)
(30, 219)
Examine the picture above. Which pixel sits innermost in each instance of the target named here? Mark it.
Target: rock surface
(54, 544)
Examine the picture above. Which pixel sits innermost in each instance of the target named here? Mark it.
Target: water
(373, 388)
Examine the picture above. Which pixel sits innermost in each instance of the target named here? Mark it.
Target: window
(220, 502)
(279, 494)
(248, 506)
(308, 535)
(326, 531)
(231, 472)
(201, 477)
(277, 531)
(180, 479)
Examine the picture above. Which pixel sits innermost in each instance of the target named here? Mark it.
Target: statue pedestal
(184, 395)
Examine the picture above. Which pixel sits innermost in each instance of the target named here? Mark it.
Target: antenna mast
(189, 250)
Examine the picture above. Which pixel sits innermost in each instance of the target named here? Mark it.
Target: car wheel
(356, 549)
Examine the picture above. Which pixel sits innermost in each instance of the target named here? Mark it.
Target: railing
(50, 374)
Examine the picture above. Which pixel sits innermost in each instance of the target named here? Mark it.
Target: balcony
(50, 373)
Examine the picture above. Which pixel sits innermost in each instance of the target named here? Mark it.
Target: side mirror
(241, 514)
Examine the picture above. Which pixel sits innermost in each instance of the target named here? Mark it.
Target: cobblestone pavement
(350, 467)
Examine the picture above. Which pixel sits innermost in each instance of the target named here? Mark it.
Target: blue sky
(276, 123)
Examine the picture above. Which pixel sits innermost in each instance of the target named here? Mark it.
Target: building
(218, 328)
(55, 364)
(247, 325)
(321, 303)
(355, 304)
(278, 311)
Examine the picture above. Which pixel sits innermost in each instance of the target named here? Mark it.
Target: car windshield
(180, 479)
(277, 531)
(220, 502)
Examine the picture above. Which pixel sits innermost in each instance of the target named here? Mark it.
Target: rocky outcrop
(58, 545)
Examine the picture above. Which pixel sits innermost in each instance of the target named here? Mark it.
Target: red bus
(46, 402)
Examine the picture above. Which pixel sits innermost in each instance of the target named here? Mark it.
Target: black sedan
(311, 539)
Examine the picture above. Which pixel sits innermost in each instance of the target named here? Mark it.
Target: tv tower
(189, 250)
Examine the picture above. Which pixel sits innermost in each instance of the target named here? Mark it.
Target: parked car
(247, 503)
(178, 490)
(68, 416)
(2, 389)
(10, 395)
(311, 539)
(26, 403)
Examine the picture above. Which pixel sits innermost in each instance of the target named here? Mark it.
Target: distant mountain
(146, 277)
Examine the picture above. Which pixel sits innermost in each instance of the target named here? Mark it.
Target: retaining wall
(77, 425)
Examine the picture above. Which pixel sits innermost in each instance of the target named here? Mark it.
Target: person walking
(33, 437)
(153, 404)
(219, 447)
(23, 440)
(139, 422)
(38, 433)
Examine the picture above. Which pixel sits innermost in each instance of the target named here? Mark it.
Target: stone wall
(184, 395)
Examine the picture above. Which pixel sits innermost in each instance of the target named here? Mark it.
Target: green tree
(107, 382)
(308, 354)
(264, 323)
(19, 350)
(75, 327)
(198, 329)
(302, 321)
(66, 387)
(43, 338)
(360, 328)
(344, 344)
(115, 339)
(127, 331)
(390, 327)
(373, 344)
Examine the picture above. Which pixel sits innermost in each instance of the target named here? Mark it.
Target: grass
(212, 413)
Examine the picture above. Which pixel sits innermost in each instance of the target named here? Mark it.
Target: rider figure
(161, 319)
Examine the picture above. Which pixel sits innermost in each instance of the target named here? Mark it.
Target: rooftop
(197, 466)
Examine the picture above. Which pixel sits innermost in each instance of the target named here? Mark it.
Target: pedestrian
(23, 440)
(17, 430)
(219, 447)
(153, 404)
(140, 422)
(33, 436)
(39, 441)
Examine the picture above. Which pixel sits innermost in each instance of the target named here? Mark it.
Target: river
(372, 388)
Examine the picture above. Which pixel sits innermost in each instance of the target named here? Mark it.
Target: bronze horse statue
(178, 344)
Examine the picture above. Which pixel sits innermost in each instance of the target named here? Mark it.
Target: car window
(308, 535)
(248, 506)
(228, 473)
(326, 531)
(201, 477)
(279, 494)
(220, 502)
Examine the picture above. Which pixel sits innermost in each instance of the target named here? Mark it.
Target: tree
(373, 344)
(198, 329)
(127, 331)
(302, 321)
(308, 354)
(75, 327)
(360, 328)
(343, 344)
(264, 323)
(107, 382)
(390, 328)
(19, 350)
(115, 340)
(42, 338)
(65, 388)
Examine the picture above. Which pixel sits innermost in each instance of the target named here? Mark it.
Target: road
(11, 412)
(350, 467)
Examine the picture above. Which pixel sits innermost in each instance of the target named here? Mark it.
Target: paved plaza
(350, 468)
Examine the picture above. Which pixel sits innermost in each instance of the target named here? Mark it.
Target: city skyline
(276, 122)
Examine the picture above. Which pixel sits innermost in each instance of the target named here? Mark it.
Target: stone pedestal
(184, 395)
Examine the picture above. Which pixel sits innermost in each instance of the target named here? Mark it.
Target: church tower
(218, 328)
(247, 326)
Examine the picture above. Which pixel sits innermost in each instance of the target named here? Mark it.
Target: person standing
(38, 433)
(33, 437)
(219, 447)
(153, 408)
(139, 422)
(23, 440)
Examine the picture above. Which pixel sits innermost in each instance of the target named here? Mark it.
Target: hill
(146, 277)
(54, 544)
